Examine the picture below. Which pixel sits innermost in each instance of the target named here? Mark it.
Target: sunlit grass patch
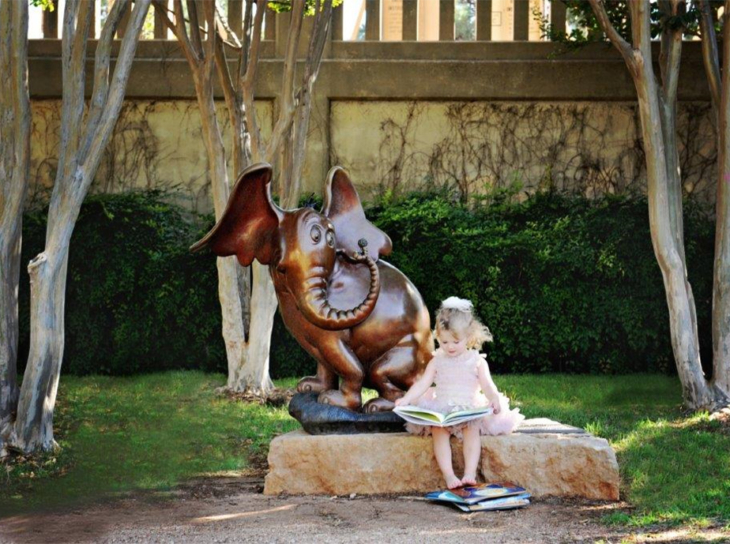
(146, 432)
(155, 431)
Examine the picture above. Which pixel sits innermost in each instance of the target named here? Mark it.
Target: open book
(422, 416)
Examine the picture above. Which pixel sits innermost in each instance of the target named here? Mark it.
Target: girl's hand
(401, 401)
(496, 408)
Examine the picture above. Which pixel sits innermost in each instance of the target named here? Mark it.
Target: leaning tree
(14, 170)
(631, 35)
(247, 297)
(85, 131)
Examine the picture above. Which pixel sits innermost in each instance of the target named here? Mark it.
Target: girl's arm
(490, 390)
(420, 387)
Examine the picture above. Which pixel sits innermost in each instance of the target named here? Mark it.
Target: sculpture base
(317, 418)
(564, 462)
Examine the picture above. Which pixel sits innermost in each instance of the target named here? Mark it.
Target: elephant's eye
(316, 234)
(330, 237)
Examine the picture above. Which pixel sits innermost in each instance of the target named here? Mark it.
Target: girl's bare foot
(469, 479)
(452, 482)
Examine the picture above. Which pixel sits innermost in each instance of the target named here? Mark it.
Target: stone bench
(543, 456)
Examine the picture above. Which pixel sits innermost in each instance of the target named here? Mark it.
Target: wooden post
(558, 13)
(446, 20)
(160, 28)
(270, 22)
(50, 24)
(125, 20)
(283, 22)
(337, 23)
(410, 20)
(484, 20)
(372, 20)
(235, 16)
(92, 24)
(522, 20)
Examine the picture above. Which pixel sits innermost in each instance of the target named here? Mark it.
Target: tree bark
(82, 144)
(248, 336)
(657, 113)
(14, 170)
(721, 287)
(295, 146)
(252, 374)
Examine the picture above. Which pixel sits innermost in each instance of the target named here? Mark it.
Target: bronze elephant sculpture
(358, 316)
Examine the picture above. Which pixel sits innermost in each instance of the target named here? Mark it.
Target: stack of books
(483, 497)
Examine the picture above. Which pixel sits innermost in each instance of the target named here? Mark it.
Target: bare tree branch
(286, 113)
(195, 28)
(98, 102)
(182, 34)
(225, 32)
(246, 39)
(224, 73)
(710, 55)
(622, 45)
(641, 30)
(246, 87)
(73, 76)
(117, 87)
(164, 12)
(671, 50)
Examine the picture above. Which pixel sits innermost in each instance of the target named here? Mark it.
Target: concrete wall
(401, 115)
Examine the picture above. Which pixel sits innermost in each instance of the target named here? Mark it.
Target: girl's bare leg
(472, 452)
(442, 451)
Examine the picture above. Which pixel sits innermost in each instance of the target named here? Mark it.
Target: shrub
(137, 300)
(565, 284)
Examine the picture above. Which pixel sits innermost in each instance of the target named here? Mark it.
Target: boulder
(545, 457)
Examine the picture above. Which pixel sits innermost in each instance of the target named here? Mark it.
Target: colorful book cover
(473, 494)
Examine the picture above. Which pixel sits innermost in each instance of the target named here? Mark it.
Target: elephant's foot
(311, 384)
(378, 404)
(335, 397)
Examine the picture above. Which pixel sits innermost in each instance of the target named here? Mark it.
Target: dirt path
(234, 510)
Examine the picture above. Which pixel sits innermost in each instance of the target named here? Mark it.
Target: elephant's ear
(342, 206)
(249, 224)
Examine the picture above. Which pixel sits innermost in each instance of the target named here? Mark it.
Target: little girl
(459, 372)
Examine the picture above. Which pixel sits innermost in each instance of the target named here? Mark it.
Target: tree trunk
(14, 169)
(229, 281)
(657, 113)
(721, 279)
(34, 424)
(252, 374)
(82, 143)
(682, 322)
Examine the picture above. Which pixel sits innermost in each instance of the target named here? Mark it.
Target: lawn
(155, 431)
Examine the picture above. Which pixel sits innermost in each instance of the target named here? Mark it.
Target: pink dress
(457, 388)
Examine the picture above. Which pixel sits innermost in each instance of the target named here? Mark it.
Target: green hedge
(136, 299)
(565, 284)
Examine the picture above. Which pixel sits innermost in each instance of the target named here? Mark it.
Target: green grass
(144, 432)
(155, 431)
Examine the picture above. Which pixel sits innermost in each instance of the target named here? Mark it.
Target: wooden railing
(519, 13)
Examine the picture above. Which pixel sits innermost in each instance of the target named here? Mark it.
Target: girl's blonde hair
(456, 316)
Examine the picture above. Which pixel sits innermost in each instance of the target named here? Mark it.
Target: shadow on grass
(143, 433)
(155, 431)
(674, 469)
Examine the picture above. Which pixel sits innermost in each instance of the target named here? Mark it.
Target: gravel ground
(235, 510)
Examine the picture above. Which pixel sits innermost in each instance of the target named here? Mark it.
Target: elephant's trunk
(316, 308)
